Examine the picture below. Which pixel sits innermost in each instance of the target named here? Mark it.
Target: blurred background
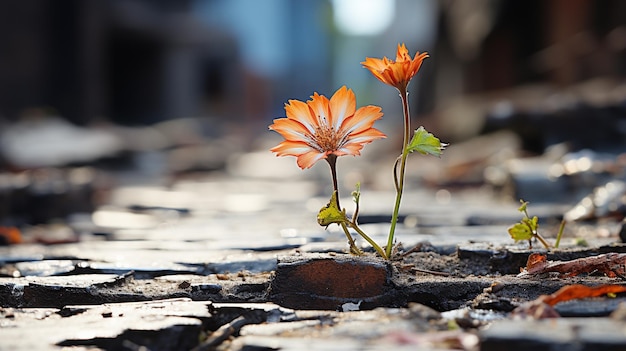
(170, 87)
(137, 62)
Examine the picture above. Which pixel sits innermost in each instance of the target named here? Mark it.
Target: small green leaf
(425, 143)
(356, 194)
(330, 213)
(531, 223)
(535, 224)
(523, 207)
(520, 231)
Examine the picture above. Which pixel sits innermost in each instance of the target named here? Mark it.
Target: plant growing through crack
(528, 228)
(323, 128)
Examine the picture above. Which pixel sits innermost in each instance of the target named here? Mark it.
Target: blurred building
(130, 61)
(142, 61)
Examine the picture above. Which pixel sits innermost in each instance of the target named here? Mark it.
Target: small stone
(206, 287)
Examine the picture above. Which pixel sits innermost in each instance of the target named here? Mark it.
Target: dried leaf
(536, 262)
(543, 306)
(10, 235)
(578, 291)
(612, 264)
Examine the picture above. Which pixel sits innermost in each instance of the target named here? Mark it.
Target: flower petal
(376, 66)
(319, 107)
(291, 129)
(292, 148)
(402, 53)
(342, 106)
(367, 136)
(299, 111)
(308, 159)
(319, 127)
(396, 73)
(416, 64)
(363, 119)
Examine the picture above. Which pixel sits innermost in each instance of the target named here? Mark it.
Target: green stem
(332, 162)
(400, 180)
(353, 248)
(558, 236)
(542, 240)
(376, 247)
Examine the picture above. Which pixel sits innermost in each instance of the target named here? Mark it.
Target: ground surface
(214, 262)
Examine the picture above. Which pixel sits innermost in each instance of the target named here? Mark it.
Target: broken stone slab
(235, 287)
(506, 293)
(509, 259)
(172, 324)
(57, 291)
(146, 258)
(554, 334)
(47, 291)
(379, 329)
(82, 289)
(141, 270)
(52, 141)
(44, 267)
(331, 282)
(45, 195)
(596, 307)
(343, 282)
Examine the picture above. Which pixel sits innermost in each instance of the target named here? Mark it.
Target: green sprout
(528, 228)
(331, 213)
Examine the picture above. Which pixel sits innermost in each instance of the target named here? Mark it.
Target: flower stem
(376, 247)
(353, 248)
(332, 162)
(404, 96)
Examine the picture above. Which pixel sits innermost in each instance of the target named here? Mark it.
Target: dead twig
(227, 330)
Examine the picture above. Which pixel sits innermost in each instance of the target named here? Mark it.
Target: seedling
(528, 227)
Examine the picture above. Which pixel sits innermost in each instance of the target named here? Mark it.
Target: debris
(542, 307)
(350, 306)
(10, 236)
(612, 264)
(606, 200)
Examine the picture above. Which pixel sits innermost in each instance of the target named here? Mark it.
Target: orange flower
(398, 73)
(321, 127)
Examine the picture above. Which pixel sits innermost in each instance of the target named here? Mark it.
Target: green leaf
(520, 231)
(331, 213)
(356, 194)
(531, 223)
(523, 207)
(535, 223)
(425, 143)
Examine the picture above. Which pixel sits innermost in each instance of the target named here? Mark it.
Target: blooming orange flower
(396, 73)
(321, 127)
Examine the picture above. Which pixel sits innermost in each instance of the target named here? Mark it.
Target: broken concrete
(331, 282)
